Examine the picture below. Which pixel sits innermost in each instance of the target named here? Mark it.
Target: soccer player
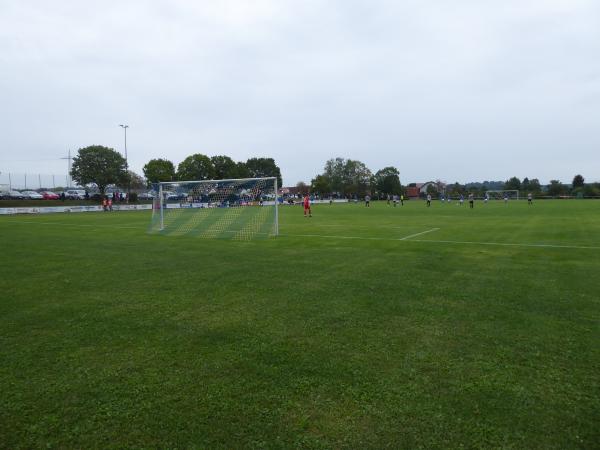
(486, 198)
(368, 201)
(395, 200)
(529, 199)
(388, 199)
(307, 206)
(428, 200)
(471, 200)
(402, 200)
(505, 198)
(462, 199)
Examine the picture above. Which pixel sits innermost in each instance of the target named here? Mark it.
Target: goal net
(501, 195)
(240, 209)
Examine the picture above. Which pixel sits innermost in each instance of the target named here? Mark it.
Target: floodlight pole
(68, 177)
(127, 163)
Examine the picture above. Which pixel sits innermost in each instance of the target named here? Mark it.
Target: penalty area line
(507, 244)
(418, 234)
(361, 238)
(437, 241)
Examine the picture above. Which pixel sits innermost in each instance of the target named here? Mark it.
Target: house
(415, 190)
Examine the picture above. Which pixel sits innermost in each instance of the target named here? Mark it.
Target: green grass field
(350, 330)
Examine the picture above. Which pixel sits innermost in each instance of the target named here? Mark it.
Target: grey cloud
(460, 90)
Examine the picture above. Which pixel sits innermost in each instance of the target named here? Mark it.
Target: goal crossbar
(216, 181)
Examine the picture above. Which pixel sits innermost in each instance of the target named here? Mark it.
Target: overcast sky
(457, 90)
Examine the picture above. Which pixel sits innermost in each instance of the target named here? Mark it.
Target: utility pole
(127, 163)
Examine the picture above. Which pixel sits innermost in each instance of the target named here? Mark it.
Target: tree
(345, 176)
(591, 190)
(387, 181)
(578, 181)
(136, 181)
(334, 172)
(556, 188)
(302, 187)
(99, 165)
(321, 185)
(241, 170)
(525, 184)
(196, 167)
(432, 190)
(534, 185)
(514, 184)
(356, 178)
(157, 170)
(455, 189)
(225, 167)
(263, 167)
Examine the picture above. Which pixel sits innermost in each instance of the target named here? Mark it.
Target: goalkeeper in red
(307, 206)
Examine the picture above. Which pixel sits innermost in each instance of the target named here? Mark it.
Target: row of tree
(348, 178)
(103, 166)
(525, 186)
(202, 167)
(554, 188)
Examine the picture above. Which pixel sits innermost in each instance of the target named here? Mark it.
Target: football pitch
(407, 327)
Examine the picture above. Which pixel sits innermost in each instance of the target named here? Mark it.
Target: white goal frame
(162, 202)
(503, 191)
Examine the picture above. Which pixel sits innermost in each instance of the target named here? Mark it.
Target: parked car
(146, 195)
(75, 194)
(14, 195)
(171, 195)
(48, 195)
(32, 195)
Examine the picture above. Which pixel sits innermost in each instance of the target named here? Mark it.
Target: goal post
(501, 195)
(241, 209)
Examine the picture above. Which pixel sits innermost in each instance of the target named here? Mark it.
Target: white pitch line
(363, 237)
(434, 241)
(419, 234)
(508, 244)
(370, 227)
